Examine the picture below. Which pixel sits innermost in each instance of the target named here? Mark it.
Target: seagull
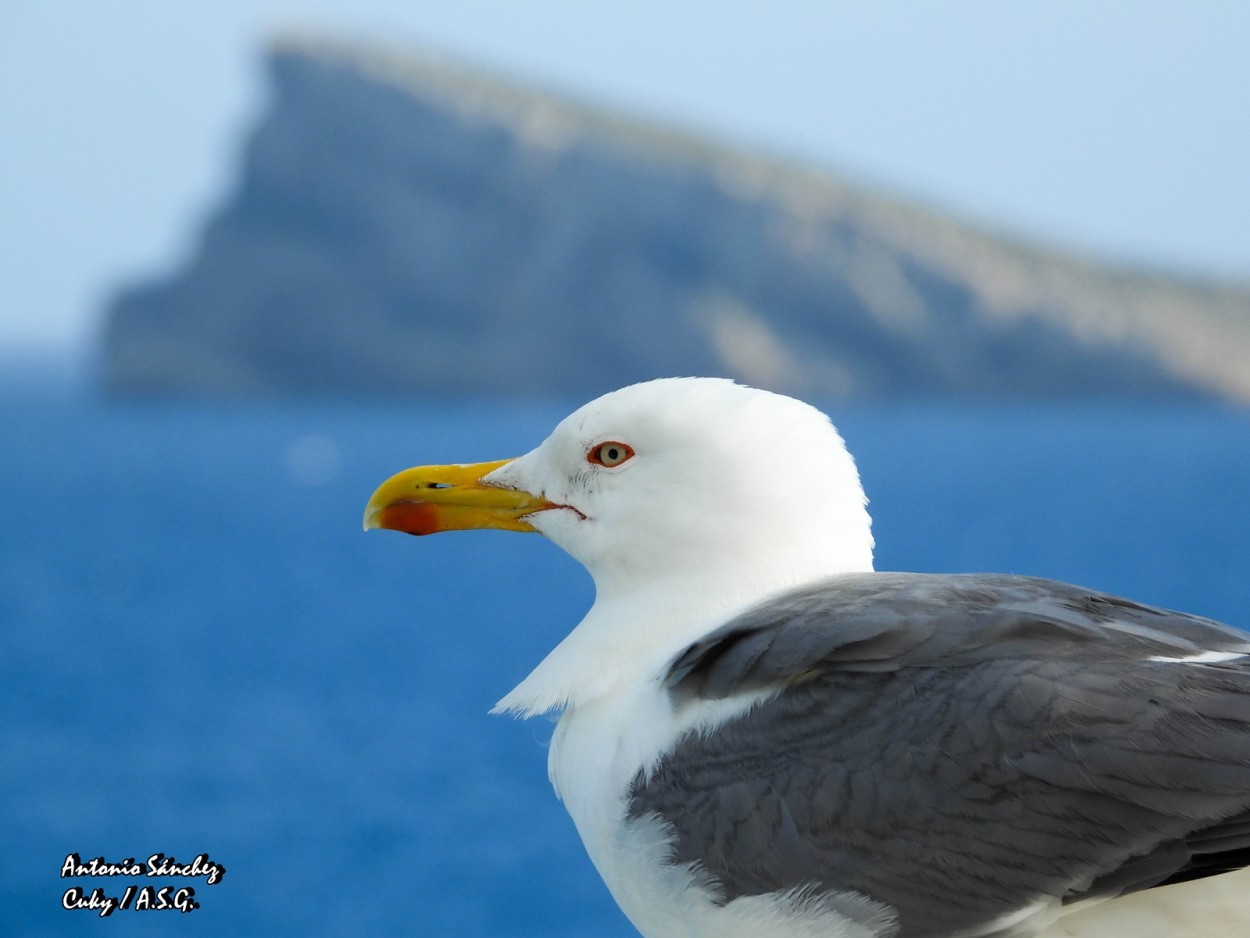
(760, 736)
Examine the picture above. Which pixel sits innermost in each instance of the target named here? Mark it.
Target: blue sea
(202, 653)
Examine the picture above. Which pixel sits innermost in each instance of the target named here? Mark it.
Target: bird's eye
(610, 454)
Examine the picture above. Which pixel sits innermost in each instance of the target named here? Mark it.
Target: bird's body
(760, 736)
(712, 833)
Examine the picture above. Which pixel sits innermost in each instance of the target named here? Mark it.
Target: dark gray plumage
(959, 746)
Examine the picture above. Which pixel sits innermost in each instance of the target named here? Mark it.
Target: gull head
(678, 477)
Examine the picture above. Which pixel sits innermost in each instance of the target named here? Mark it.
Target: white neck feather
(633, 631)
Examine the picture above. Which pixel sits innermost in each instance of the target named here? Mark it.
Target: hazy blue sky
(1123, 127)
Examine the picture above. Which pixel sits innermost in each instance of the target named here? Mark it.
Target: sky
(1120, 128)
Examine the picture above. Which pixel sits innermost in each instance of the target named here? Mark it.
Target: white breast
(598, 749)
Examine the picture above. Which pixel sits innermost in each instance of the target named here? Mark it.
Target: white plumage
(714, 501)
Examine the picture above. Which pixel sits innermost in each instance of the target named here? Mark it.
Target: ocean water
(201, 652)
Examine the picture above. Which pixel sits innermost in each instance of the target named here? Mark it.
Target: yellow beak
(429, 499)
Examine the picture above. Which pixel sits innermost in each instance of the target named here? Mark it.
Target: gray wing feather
(959, 746)
(886, 621)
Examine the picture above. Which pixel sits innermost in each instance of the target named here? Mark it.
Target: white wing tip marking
(1206, 657)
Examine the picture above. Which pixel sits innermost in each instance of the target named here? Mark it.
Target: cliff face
(405, 226)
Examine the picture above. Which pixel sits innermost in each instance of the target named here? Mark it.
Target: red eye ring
(610, 454)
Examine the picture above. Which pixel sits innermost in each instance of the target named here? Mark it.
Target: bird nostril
(438, 485)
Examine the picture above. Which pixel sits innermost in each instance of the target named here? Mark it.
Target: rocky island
(405, 225)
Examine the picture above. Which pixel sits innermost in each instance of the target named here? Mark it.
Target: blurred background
(255, 257)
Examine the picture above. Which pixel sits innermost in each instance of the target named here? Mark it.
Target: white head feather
(732, 495)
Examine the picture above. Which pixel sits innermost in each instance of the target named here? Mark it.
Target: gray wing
(959, 746)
